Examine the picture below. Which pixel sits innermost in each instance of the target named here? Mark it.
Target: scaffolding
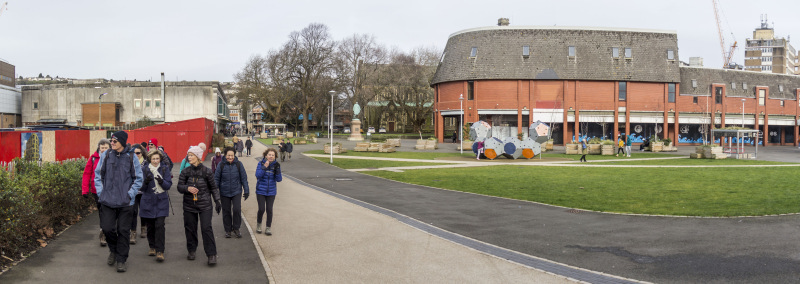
(737, 151)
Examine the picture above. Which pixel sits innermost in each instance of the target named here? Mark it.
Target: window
(744, 86)
(137, 103)
(628, 52)
(35, 105)
(694, 83)
(473, 52)
(671, 92)
(733, 86)
(780, 88)
(526, 51)
(615, 52)
(694, 100)
(762, 95)
(571, 51)
(158, 103)
(147, 103)
(470, 90)
(670, 54)
(718, 95)
(782, 103)
(623, 91)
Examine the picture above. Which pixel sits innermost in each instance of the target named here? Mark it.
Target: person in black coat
(231, 178)
(197, 185)
(154, 206)
(248, 145)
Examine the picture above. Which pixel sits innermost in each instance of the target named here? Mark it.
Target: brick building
(600, 82)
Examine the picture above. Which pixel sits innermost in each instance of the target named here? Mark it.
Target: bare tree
(358, 63)
(263, 79)
(407, 84)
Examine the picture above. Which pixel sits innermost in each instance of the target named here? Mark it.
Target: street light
(461, 124)
(330, 124)
(742, 113)
(100, 109)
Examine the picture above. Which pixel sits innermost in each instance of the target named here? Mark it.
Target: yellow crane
(3, 7)
(726, 54)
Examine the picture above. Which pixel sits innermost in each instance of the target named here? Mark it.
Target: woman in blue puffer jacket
(268, 174)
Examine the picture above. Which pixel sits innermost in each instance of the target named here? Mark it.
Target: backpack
(239, 168)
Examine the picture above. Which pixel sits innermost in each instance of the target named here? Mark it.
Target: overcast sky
(211, 40)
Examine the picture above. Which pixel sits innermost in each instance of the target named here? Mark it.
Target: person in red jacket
(88, 188)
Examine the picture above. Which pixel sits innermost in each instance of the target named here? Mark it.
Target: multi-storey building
(602, 82)
(10, 112)
(767, 53)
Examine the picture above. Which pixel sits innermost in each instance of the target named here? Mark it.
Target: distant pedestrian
(231, 178)
(196, 183)
(139, 152)
(154, 206)
(118, 177)
(282, 148)
(240, 147)
(248, 145)
(479, 149)
(584, 150)
(268, 174)
(88, 188)
(289, 149)
(621, 145)
(628, 142)
(455, 136)
(216, 159)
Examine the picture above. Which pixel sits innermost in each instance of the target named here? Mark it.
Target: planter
(337, 149)
(361, 147)
(573, 149)
(393, 142)
(594, 149)
(466, 145)
(607, 150)
(548, 145)
(427, 145)
(656, 146)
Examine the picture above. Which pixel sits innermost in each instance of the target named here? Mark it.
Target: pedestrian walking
(185, 163)
(216, 159)
(240, 147)
(268, 174)
(118, 177)
(455, 136)
(584, 150)
(479, 149)
(154, 204)
(628, 142)
(139, 152)
(248, 145)
(199, 190)
(621, 145)
(231, 178)
(282, 148)
(88, 188)
(153, 145)
(289, 149)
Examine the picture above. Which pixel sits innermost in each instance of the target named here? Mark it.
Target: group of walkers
(132, 181)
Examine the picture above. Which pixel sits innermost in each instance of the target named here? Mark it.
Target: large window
(470, 90)
(473, 52)
(718, 95)
(623, 91)
(762, 95)
(571, 50)
(671, 93)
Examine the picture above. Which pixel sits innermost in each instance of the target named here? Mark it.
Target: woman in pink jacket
(88, 188)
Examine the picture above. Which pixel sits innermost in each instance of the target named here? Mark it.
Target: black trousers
(155, 232)
(115, 223)
(248, 151)
(265, 202)
(621, 149)
(135, 213)
(232, 212)
(190, 228)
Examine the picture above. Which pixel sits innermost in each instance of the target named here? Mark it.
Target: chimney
(502, 22)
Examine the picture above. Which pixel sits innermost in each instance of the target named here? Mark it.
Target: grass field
(401, 155)
(372, 164)
(661, 191)
(692, 162)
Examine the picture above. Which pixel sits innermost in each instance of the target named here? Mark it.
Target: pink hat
(196, 151)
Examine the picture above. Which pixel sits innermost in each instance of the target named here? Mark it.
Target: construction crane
(726, 55)
(3, 7)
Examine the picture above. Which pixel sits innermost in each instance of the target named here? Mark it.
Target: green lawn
(662, 191)
(365, 164)
(638, 155)
(693, 162)
(401, 155)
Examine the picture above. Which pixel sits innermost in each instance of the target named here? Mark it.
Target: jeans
(116, 226)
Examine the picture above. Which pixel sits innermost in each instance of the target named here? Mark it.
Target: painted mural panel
(31, 146)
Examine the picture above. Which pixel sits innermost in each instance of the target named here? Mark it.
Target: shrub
(667, 142)
(595, 140)
(218, 140)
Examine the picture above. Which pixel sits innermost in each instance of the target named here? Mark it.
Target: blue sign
(301, 117)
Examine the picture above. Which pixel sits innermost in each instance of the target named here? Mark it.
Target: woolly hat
(202, 146)
(217, 150)
(120, 136)
(196, 151)
(154, 141)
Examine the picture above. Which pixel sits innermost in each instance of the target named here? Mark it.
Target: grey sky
(211, 40)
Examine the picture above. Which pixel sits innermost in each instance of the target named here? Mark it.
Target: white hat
(217, 150)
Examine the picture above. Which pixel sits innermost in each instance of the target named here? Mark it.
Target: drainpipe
(163, 101)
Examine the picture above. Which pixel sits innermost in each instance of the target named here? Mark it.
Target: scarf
(154, 170)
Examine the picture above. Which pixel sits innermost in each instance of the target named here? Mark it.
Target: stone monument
(355, 125)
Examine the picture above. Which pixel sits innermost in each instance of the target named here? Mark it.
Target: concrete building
(125, 103)
(767, 53)
(601, 82)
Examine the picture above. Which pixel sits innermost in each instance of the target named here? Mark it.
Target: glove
(160, 180)
(246, 195)
(85, 195)
(218, 208)
(96, 198)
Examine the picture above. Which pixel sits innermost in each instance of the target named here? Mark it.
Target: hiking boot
(212, 260)
(144, 232)
(102, 239)
(112, 258)
(122, 267)
(237, 233)
(258, 228)
(133, 238)
(152, 252)
(191, 256)
(268, 232)
(227, 235)
(159, 256)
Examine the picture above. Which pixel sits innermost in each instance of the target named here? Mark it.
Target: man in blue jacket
(118, 177)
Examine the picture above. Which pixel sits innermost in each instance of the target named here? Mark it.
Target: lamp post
(461, 125)
(742, 113)
(330, 124)
(100, 109)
